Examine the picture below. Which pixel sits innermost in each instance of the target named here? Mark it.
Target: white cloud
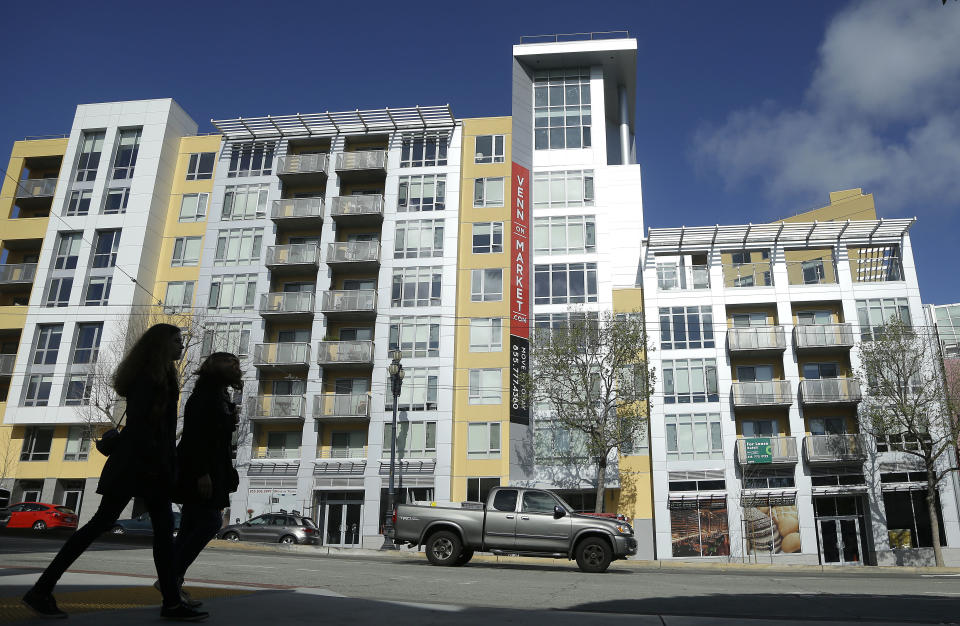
(882, 112)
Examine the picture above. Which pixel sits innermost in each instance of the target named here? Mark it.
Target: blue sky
(747, 110)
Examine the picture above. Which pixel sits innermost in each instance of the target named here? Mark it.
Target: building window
(78, 444)
(418, 239)
(565, 283)
(486, 285)
(68, 248)
(37, 441)
(487, 192)
(564, 188)
(486, 334)
(699, 528)
(87, 345)
(483, 440)
(423, 151)
(489, 149)
(250, 160)
(421, 193)
(193, 207)
(105, 250)
(565, 234)
(874, 313)
(238, 246)
(117, 200)
(690, 380)
(179, 296)
(128, 145)
(227, 337)
(908, 519)
(814, 318)
(686, 327)
(79, 203)
(91, 146)
(551, 321)
(58, 293)
(487, 237)
(200, 166)
(233, 292)
(561, 109)
(414, 439)
(245, 202)
(37, 392)
(416, 286)
(478, 488)
(77, 390)
(48, 344)
(485, 386)
(694, 436)
(186, 251)
(555, 444)
(98, 291)
(419, 391)
(415, 336)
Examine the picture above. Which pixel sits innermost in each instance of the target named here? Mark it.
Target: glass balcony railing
(278, 304)
(353, 252)
(293, 254)
(767, 451)
(18, 273)
(362, 160)
(830, 391)
(823, 336)
(756, 338)
(6, 364)
(355, 405)
(297, 208)
(276, 453)
(36, 187)
(349, 300)
(267, 354)
(673, 277)
(350, 206)
(837, 448)
(275, 407)
(341, 452)
(761, 393)
(345, 352)
(310, 163)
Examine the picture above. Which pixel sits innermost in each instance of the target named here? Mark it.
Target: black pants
(161, 516)
(199, 524)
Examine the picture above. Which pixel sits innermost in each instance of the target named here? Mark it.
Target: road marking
(940, 575)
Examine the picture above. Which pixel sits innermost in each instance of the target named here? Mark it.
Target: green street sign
(759, 450)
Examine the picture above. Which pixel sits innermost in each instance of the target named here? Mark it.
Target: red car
(38, 516)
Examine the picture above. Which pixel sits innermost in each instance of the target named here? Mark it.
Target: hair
(147, 358)
(211, 371)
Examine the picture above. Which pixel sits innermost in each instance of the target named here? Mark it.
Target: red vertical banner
(519, 293)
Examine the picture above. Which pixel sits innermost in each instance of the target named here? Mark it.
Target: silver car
(282, 527)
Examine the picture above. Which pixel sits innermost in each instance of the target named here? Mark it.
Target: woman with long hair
(142, 463)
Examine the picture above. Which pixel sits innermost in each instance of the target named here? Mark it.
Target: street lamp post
(396, 380)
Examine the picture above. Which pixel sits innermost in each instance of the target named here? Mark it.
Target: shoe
(183, 613)
(42, 604)
(185, 598)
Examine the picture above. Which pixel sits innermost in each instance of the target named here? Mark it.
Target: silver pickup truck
(527, 522)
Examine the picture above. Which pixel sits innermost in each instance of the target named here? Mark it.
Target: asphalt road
(625, 590)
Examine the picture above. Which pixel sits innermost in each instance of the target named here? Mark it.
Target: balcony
(820, 337)
(35, 193)
(6, 365)
(345, 353)
(287, 307)
(341, 406)
(747, 275)
(761, 394)
(340, 452)
(17, 277)
(349, 304)
(835, 449)
(756, 451)
(357, 210)
(277, 453)
(293, 258)
(276, 408)
(756, 339)
(282, 357)
(355, 255)
(297, 212)
(825, 391)
(674, 277)
(362, 165)
(307, 168)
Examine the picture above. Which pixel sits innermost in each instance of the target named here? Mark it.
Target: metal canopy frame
(328, 123)
(801, 234)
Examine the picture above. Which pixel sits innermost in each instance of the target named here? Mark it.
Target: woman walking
(142, 463)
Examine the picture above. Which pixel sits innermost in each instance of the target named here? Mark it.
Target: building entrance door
(339, 517)
(840, 540)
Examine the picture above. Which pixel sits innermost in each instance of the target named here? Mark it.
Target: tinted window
(309, 522)
(258, 520)
(505, 500)
(538, 502)
(64, 509)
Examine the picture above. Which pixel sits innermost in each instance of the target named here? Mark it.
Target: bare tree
(593, 375)
(9, 457)
(909, 403)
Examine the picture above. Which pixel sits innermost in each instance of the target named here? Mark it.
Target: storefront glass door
(840, 540)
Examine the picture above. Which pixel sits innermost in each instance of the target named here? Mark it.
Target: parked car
(38, 516)
(282, 527)
(141, 525)
(527, 522)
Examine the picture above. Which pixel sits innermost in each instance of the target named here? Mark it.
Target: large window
(227, 337)
(87, 345)
(116, 201)
(414, 439)
(485, 386)
(421, 193)
(245, 202)
(416, 286)
(193, 207)
(690, 380)
(487, 192)
(98, 291)
(47, 344)
(908, 519)
(78, 389)
(874, 313)
(37, 392)
(551, 321)
(238, 246)
(686, 327)
(563, 188)
(128, 145)
(423, 151)
(58, 293)
(91, 147)
(179, 296)
(105, 248)
(186, 251)
(694, 436)
(487, 237)
(483, 440)
(78, 444)
(416, 336)
(699, 528)
(419, 391)
(250, 160)
(37, 441)
(564, 234)
(561, 109)
(418, 239)
(486, 334)
(486, 285)
(565, 283)
(79, 203)
(68, 248)
(554, 443)
(232, 292)
(200, 166)
(489, 149)
(479, 487)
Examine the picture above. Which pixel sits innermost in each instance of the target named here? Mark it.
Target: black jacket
(209, 420)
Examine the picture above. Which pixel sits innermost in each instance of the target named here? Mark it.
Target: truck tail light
(394, 517)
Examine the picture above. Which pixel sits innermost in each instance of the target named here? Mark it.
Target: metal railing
(350, 251)
(748, 275)
(762, 393)
(592, 36)
(18, 273)
(346, 300)
(297, 207)
(303, 163)
(823, 336)
(782, 450)
(36, 187)
(674, 277)
(332, 352)
(271, 406)
(276, 453)
(341, 452)
(6, 364)
(819, 271)
(362, 160)
(356, 205)
(341, 405)
(294, 254)
(295, 302)
(876, 269)
(835, 448)
(756, 338)
(830, 391)
(281, 354)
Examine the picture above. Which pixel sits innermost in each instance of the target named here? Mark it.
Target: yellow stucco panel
(628, 300)
(848, 204)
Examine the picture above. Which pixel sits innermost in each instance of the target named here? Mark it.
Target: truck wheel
(594, 555)
(444, 548)
(464, 557)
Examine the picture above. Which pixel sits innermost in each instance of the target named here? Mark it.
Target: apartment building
(757, 453)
